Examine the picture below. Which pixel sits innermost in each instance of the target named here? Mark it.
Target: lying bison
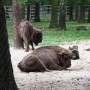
(29, 34)
(45, 59)
(75, 52)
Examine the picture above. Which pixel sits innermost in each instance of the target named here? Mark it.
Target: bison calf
(29, 34)
(45, 59)
(75, 52)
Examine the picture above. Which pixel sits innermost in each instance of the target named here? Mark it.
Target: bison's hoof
(32, 48)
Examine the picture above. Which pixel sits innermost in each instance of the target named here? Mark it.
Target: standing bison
(45, 59)
(29, 34)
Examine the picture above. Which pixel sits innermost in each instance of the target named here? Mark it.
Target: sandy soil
(77, 77)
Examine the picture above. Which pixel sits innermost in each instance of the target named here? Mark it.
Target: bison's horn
(62, 53)
(42, 29)
(70, 47)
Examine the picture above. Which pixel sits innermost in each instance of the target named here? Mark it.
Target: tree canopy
(33, 1)
(7, 2)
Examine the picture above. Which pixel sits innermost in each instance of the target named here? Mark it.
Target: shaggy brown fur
(29, 34)
(45, 59)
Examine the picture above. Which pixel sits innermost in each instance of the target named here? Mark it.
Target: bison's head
(65, 59)
(37, 37)
(75, 53)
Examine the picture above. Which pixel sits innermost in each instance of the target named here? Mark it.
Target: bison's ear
(70, 48)
(42, 29)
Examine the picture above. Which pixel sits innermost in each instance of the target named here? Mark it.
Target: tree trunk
(37, 12)
(62, 17)
(70, 12)
(54, 14)
(88, 20)
(18, 43)
(76, 12)
(81, 13)
(28, 12)
(7, 81)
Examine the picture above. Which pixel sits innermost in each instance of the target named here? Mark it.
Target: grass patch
(55, 36)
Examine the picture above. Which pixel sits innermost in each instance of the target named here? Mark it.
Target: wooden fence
(45, 11)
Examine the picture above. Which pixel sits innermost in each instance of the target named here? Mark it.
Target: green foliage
(72, 1)
(33, 1)
(88, 1)
(23, 1)
(78, 1)
(7, 2)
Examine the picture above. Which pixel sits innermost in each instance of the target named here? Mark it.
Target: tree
(62, 16)
(88, 3)
(28, 12)
(7, 81)
(37, 12)
(18, 43)
(88, 20)
(54, 14)
(37, 7)
(76, 11)
(81, 11)
(71, 4)
(70, 11)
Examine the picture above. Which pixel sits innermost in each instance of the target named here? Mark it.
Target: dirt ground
(77, 77)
